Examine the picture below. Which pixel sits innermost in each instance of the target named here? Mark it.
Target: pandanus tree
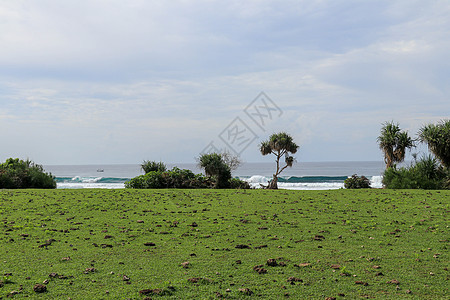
(148, 166)
(394, 142)
(437, 137)
(215, 167)
(279, 144)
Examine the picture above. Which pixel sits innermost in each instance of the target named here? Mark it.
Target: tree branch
(282, 169)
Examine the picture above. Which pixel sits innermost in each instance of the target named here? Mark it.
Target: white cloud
(132, 78)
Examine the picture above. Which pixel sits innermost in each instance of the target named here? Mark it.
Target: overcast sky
(97, 82)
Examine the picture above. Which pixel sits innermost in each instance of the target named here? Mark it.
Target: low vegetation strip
(232, 244)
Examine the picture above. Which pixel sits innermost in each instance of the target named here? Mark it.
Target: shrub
(151, 180)
(20, 174)
(149, 166)
(398, 179)
(236, 183)
(356, 182)
(175, 178)
(180, 179)
(183, 179)
(223, 178)
(424, 174)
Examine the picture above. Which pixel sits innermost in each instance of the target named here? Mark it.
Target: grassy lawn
(234, 244)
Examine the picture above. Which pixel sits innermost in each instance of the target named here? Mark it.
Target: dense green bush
(424, 174)
(356, 182)
(236, 183)
(183, 179)
(175, 178)
(180, 179)
(20, 174)
(151, 180)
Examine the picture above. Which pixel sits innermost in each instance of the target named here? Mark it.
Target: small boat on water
(100, 170)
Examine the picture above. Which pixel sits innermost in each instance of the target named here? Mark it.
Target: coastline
(302, 176)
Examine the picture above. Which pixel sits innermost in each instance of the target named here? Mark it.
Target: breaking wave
(255, 181)
(308, 182)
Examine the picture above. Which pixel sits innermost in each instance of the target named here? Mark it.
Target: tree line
(427, 172)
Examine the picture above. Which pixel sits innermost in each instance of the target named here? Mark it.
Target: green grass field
(234, 244)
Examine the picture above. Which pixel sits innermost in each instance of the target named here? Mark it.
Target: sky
(118, 82)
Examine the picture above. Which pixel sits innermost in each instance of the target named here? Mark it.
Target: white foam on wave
(311, 185)
(257, 180)
(86, 179)
(376, 182)
(89, 185)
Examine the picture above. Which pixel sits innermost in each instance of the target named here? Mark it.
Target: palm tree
(437, 137)
(403, 142)
(280, 144)
(394, 142)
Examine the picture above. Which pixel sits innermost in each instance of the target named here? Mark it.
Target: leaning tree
(437, 137)
(394, 142)
(279, 144)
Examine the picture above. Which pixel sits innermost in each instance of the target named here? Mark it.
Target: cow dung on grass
(40, 288)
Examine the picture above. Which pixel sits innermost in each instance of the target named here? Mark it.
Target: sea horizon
(303, 175)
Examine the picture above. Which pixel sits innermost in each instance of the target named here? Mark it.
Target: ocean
(302, 176)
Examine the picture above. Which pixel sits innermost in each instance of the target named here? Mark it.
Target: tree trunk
(389, 162)
(273, 184)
